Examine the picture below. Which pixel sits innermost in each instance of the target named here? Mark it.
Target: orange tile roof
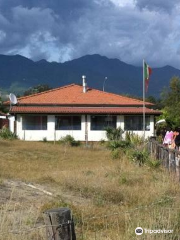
(83, 110)
(73, 95)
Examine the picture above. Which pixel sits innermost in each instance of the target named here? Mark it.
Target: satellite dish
(160, 121)
(13, 98)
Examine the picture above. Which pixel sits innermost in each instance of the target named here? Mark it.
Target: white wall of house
(54, 135)
(11, 123)
(95, 135)
(99, 135)
(32, 135)
(50, 134)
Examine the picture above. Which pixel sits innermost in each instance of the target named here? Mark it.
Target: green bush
(153, 163)
(45, 139)
(114, 134)
(139, 157)
(75, 143)
(118, 144)
(128, 136)
(5, 133)
(69, 140)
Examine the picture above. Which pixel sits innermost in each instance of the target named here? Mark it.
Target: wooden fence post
(170, 158)
(60, 225)
(177, 168)
(170, 161)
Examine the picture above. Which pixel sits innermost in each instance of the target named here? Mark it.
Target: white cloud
(124, 3)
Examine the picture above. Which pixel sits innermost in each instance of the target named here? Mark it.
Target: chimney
(84, 84)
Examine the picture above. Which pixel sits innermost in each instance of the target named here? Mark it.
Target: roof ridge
(50, 90)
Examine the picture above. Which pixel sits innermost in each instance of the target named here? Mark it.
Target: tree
(157, 102)
(37, 89)
(151, 99)
(171, 102)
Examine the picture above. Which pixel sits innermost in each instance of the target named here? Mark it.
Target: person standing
(168, 139)
(177, 139)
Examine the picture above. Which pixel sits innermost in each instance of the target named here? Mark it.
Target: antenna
(160, 121)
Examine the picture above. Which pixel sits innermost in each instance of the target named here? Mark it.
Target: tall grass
(94, 186)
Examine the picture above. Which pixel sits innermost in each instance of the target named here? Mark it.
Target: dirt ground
(21, 206)
(15, 192)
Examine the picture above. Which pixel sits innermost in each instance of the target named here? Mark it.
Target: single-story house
(79, 111)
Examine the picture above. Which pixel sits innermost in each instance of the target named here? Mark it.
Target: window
(135, 123)
(101, 122)
(68, 122)
(34, 122)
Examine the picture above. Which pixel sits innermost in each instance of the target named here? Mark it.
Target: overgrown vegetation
(5, 133)
(139, 156)
(114, 134)
(115, 142)
(70, 141)
(133, 138)
(133, 148)
(2, 107)
(112, 145)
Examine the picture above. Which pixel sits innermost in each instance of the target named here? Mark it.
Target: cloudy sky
(61, 30)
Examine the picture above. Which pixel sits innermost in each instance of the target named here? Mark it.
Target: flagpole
(144, 117)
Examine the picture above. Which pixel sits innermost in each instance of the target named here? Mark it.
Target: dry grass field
(109, 198)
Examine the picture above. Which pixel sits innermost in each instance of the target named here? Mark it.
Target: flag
(147, 73)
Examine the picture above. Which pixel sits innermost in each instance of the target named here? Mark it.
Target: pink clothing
(168, 137)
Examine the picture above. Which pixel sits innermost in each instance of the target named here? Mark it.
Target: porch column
(88, 127)
(83, 126)
(51, 133)
(152, 125)
(18, 124)
(120, 122)
(11, 123)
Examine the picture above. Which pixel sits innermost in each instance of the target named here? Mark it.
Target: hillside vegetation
(19, 73)
(109, 197)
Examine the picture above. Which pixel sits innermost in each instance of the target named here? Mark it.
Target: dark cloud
(45, 27)
(60, 30)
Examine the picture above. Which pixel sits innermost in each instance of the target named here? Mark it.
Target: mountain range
(18, 73)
